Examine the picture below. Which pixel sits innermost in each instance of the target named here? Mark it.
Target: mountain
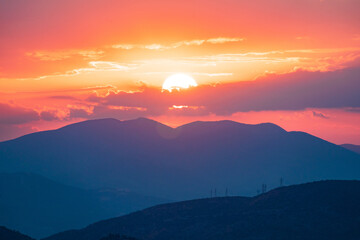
(39, 207)
(117, 237)
(352, 147)
(325, 210)
(181, 163)
(6, 234)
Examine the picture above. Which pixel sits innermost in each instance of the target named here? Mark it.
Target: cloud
(106, 65)
(104, 111)
(62, 97)
(49, 115)
(124, 46)
(95, 66)
(120, 112)
(293, 91)
(65, 54)
(221, 40)
(78, 113)
(352, 109)
(11, 114)
(194, 42)
(319, 115)
(212, 74)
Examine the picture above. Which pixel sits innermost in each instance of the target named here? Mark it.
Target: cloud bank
(293, 91)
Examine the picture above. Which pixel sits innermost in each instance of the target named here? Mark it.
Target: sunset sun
(178, 81)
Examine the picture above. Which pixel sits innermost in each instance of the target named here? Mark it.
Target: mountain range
(180, 163)
(325, 210)
(106, 168)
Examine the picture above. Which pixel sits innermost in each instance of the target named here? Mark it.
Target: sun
(178, 81)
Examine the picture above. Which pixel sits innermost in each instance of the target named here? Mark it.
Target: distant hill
(6, 234)
(148, 157)
(326, 210)
(117, 237)
(39, 207)
(352, 147)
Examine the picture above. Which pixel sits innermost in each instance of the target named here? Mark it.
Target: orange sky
(294, 63)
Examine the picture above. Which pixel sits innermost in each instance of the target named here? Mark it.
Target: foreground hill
(182, 163)
(39, 207)
(6, 234)
(326, 210)
(352, 147)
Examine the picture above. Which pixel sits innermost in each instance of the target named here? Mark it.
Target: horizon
(171, 126)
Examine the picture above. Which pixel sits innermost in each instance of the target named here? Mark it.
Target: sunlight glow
(178, 81)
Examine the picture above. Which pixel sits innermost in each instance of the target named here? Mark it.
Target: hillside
(39, 207)
(150, 158)
(325, 210)
(7, 234)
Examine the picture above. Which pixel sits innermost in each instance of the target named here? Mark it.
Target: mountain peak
(270, 127)
(142, 120)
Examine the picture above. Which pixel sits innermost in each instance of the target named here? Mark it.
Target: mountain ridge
(140, 122)
(7, 234)
(352, 147)
(318, 210)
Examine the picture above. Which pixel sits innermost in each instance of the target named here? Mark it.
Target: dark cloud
(63, 97)
(78, 113)
(16, 115)
(319, 115)
(49, 115)
(294, 91)
(353, 109)
(127, 113)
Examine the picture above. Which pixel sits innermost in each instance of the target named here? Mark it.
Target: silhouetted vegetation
(263, 188)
